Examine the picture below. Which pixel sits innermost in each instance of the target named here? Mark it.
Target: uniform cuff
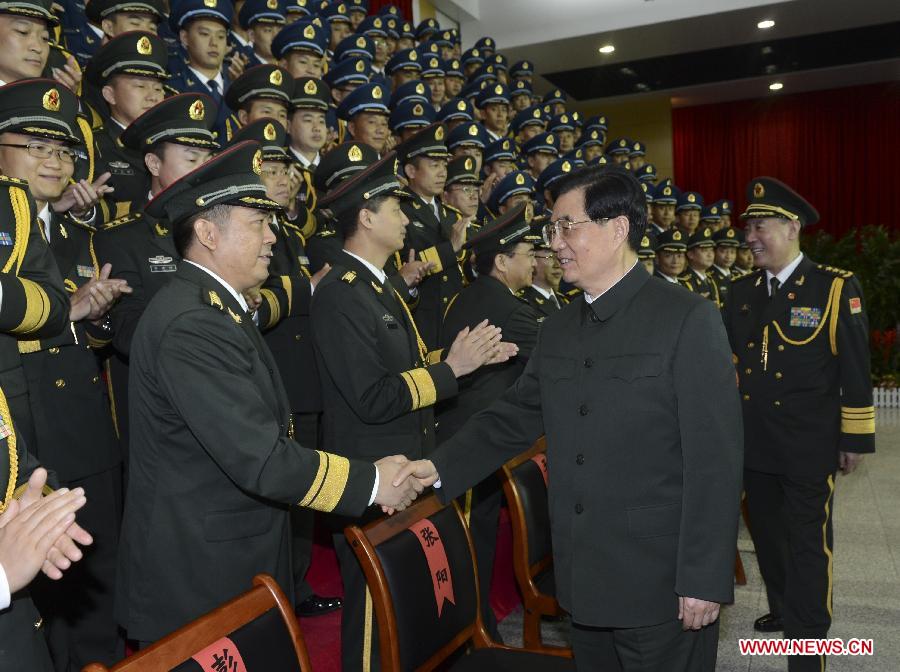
(5, 596)
(375, 487)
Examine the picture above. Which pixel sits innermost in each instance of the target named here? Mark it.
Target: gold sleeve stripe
(274, 308)
(46, 490)
(413, 390)
(426, 393)
(434, 357)
(289, 290)
(431, 254)
(863, 410)
(849, 426)
(329, 484)
(37, 308)
(26, 347)
(98, 343)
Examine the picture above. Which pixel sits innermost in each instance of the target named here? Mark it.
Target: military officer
(262, 91)
(262, 19)
(404, 66)
(174, 137)
(366, 114)
(462, 187)
(646, 255)
(725, 212)
(543, 294)
(456, 112)
(128, 73)
(379, 381)
(307, 131)
(517, 187)
(300, 48)
(539, 152)
(710, 217)
(701, 253)
(618, 149)
(727, 242)
(223, 488)
(454, 80)
(670, 256)
(550, 176)
(687, 212)
(665, 197)
(337, 22)
(743, 260)
(800, 338)
(409, 118)
(108, 18)
(591, 143)
(493, 102)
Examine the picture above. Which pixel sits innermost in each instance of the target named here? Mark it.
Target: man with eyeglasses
(644, 487)
(73, 428)
(504, 262)
(543, 293)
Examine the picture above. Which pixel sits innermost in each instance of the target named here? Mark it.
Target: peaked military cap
(456, 109)
(335, 12)
(576, 156)
(411, 114)
(576, 119)
(671, 240)
(702, 237)
(520, 88)
(261, 11)
(230, 178)
(453, 68)
(311, 93)
(724, 206)
(32, 9)
(496, 93)
(358, 6)
(645, 250)
(427, 142)
(303, 35)
(349, 71)
(689, 200)
(503, 231)
(268, 82)
(514, 183)
(391, 26)
(378, 179)
(530, 116)
(341, 163)
(426, 28)
(472, 90)
(184, 119)
(521, 69)
(561, 122)
(301, 7)
(618, 146)
(486, 74)
(471, 56)
(768, 197)
(592, 136)
(500, 150)
(404, 59)
(443, 38)
(554, 96)
(97, 10)
(414, 90)
(710, 213)
(500, 62)
(135, 53)
(269, 134)
(370, 97)
(728, 237)
(647, 187)
(40, 107)
(601, 160)
(393, 10)
(358, 46)
(646, 173)
(553, 173)
(666, 194)
(432, 66)
(542, 142)
(638, 148)
(598, 121)
(486, 44)
(461, 170)
(471, 134)
(374, 25)
(407, 31)
(184, 11)
(429, 48)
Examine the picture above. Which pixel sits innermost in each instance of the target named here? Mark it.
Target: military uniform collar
(546, 293)
(614, 298)
(785, 273)
(202, 275)
(379, 273)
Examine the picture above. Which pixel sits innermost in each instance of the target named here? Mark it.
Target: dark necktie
(214, 90)
(774, 283)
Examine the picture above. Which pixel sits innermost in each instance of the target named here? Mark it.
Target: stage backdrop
(839, 148)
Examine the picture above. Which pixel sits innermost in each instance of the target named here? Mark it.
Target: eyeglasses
(41, 151)
(563, 227)
(524, 254)
(468, 191)
(549, 256)
(275, 172)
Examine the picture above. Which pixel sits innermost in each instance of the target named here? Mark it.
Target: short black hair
(609, 191)
(183, 231)
(349, 221)
(484, 260)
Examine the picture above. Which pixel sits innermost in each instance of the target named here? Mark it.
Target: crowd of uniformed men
(105, 105)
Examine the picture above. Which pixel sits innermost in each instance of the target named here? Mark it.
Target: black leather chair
(418, 630)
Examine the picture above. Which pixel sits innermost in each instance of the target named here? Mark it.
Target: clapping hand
(395, 494)
(414, 271)
(473, 348)
(39, 533)
(94, 298)
(81, 196)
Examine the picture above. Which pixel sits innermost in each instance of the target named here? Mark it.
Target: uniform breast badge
(804, 316)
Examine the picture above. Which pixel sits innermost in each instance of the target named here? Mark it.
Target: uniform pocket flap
(632, 367)
(225, 525)
(654, 521)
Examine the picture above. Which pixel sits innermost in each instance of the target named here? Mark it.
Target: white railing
(887, 397)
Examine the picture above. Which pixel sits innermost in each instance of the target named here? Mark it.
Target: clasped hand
(399, 482)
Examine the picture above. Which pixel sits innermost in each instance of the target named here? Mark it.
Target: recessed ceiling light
(776, 86)
(763, 25)
(607, 49)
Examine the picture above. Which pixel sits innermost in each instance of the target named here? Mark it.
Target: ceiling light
(607, 49)
(763, 25)
(776, 86)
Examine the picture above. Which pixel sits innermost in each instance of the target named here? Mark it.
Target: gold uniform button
(38, 623)
(751, 345)
(297, 337)
(445, 299)
(53, 351)
(780, 348)
(778, 403)
(778, 375)
(445, 278)
(748, 371)
(746, 397)
(60, 382)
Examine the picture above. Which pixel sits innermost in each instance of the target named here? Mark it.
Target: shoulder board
(834, 271)
(81, 225)
(452, 209)
(350, 277)
(289, 225)
(211, 298)
(7, 181)
(127, 219)
(170, 90)
(752, 275)
(325, 233)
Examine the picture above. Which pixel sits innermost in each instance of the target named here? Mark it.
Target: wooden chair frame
(179, 646)
(363, 542)
(535, 603)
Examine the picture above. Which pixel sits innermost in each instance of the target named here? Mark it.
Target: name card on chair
(436, 556)
(220, 656)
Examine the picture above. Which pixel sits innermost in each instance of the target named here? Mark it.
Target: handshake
(400, 481)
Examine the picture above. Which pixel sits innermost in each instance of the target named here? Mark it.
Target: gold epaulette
(350, 277)
(127, 219)
(747, 276)
(211, 298)
(836, 272)
(325, 233)
(452, 209)
(7, 181)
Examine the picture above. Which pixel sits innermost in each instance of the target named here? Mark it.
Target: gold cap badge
(473, 130)
(498, 89)
(439, 133)
(269, 132)
(691, 198)
(197, 111)
(469, 164)
(376, 92)
(420, 88)
(520, 179)
(676, 235)
(759, 190)
(361, 42)
(51, 100)
(360, 65)
(144, 46)
(566, 166)
(256, 164)
(310, 88)
(309, 32)
(276, 78)
(418, 110)
(355, 153)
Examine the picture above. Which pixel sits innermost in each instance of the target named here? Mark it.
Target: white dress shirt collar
(784, 274)
(204, 79)
(377, 272)
(306, 163)
(237, 296)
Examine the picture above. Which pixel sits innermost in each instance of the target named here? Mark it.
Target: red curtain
(839, 148)
(405, 7)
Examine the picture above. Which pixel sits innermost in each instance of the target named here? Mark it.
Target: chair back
(524, 481)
